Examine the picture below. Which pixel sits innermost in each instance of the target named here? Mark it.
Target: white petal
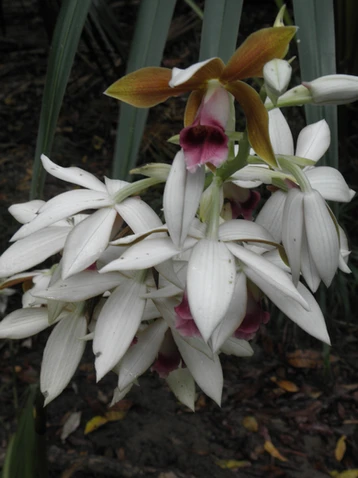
(308, 267)
(313, 141)
(87, 241)
(23, 323)
(210, 283)
(242, 230)
(330, 184)
(292, 230)
(270, 216)
(275, 258)
(119, 395)
(322, 236)
(141, 355)
(143, 255)
(62, 354)
(166, 269)
(266, 275)
(138, 215)
(113, 186)
(62, 206)
(73, 175)
(280, 133)
(237, 347)
(182, 384)
(117, 324)
(150, 311)
(132, 238)
(181, 198)
(27, 211)
(82, 286)
(207, 372)
(234, 316)
(33, 250)
(180, 76)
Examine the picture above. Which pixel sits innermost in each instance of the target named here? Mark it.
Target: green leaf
(147, 47)
(26, 452)
(66, 36)
(317, 55)
(220, 28)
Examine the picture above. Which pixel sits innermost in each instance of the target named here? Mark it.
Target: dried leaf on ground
(250, 423)
(272, 450)
(232, 464)
(285, 385)
(308, 359)
(340, 448)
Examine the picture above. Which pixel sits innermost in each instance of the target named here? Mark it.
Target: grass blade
(317, 57)
(150, 35)
(67, 33)
(220, 28)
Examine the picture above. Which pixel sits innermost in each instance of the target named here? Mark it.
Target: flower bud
(277, 75)
(333, 89)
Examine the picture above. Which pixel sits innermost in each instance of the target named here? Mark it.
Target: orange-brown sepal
(256, 120)
(259, 48)
(144, 88)
(192, 106)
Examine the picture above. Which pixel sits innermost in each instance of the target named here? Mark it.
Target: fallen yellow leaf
(113, 416)
(95, 423)
(270, 448)
(232, 464)
(340, 448)
(345, 474)
(250, 423)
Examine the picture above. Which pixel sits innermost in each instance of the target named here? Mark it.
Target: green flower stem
(297, 173)
(230, 167)
(135, 188)
(213, 224)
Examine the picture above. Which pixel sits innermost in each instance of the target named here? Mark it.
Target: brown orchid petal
(145, 87)
(259, 48)
(210, 70)
(256, 120)
(192, 106)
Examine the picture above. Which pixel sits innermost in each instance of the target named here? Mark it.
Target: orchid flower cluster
(172, 295)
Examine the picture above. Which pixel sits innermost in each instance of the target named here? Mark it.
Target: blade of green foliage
(153, 22)
(26, 452)
(66, 36)
(220, 28)
(317, 56)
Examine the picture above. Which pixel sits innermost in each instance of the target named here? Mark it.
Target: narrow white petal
(292, 230)
(62, 354)
(33, 250)
(62, 206)
(270, 216)
(138, 215)
(330, 184)
(322, 236)
(242, 230)
(82, 286)
(308, 267)
(313, 141)
(119, 395)
(150, 311)
(181, 383)
(26, 212)
(131, 238)
(117, 324)
(234, 316)
(252, 176)
(274, 256)
(266, 275)
(180, 76)
(166, 269)
(207, 372)
(113, 186)
(210, 283)
(143, 255)
(280, 133)
(237, 347)
(23, 323)
(87, 241)
(181, 198)
(141, 355)
(72, 175)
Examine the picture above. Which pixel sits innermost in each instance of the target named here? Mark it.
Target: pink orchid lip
(251, 324)
(184, 322)
(203, 144)
(246, 208)
(166, 364)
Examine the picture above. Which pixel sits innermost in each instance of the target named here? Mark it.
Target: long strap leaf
(150, 36)
(317, 56)
(67, 33)
(220, 28)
